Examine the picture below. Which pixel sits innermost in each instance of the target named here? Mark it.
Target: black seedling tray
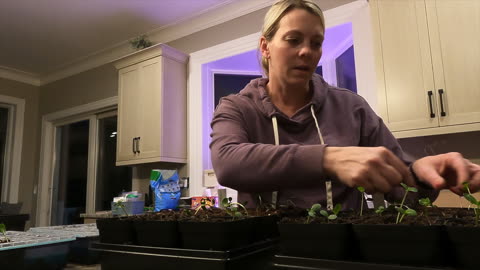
(80, 252)
(14, 222)
(117, 256)
(288, 262)
(50, 256)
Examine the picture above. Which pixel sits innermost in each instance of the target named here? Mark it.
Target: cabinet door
(150, 108)
(401, 27)
(128, 111)
(454, 27)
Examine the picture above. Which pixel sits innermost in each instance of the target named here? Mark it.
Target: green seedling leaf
(337, 209)
(316, 207)
(332, 217)
(323, 213)
(3, 229)
(404, 186)
(361, 189)
(238, 214)
(412, 189)
(425, 202)
(410, 212)
(225, 203)
(471, 199)
(380, 210)
(465, 187)
(400, 210)
(314, 210)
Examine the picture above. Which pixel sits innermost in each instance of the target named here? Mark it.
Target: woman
(291, 132)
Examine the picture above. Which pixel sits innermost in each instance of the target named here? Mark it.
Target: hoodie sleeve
(256, 167)
(375, 133)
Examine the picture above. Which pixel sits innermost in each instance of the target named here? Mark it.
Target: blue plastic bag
(165, 186)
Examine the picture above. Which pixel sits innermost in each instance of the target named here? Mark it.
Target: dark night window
(226, 84)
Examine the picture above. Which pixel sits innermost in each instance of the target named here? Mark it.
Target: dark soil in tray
(426, 216)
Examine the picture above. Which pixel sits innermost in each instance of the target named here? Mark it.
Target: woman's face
(295, 49)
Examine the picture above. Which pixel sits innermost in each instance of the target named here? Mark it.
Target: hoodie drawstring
(328, 184)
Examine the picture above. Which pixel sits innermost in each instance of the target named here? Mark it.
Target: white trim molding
(47, 154)
(198, 95)
(12, 166)
(19, 76)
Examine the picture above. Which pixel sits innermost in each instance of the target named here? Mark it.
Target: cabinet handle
(430, 94)
(133, 145)
(138, 145)
(440, 92)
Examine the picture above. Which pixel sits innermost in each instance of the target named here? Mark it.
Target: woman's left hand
(450, 171)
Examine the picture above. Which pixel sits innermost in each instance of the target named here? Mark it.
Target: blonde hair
(277, 12)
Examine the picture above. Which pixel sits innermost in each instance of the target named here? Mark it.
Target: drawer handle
(138, 145)
(133, 145)
(430, 94)
(440, 92)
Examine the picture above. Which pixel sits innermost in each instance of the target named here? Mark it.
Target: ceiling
(41, 37)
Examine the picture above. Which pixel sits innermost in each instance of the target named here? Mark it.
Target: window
(12, 112)
(111, 180)
(226, 84)
(3, 142)
(340, 71)
(345, 65)
(70, 179)
(85, 178)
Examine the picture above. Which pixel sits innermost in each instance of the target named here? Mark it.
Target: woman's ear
(264, 47)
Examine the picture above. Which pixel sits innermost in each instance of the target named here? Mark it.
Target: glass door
(111, 180)
(69, 186)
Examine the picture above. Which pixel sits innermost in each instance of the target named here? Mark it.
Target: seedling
(473, 201)
(427, 203)
(232, 208)
(261, 205)
(380, 210)
(334, 214)
(362, 194)
(400, 209)
(312, 212)
(3, 230)
(121, 204)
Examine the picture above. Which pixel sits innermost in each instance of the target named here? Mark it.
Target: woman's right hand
(376, 169)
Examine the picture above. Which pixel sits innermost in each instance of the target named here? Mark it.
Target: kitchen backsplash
(466, 143)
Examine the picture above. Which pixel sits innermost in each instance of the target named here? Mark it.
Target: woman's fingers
(374, 168)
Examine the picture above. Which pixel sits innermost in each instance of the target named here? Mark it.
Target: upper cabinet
(428, 64)
(152, 112)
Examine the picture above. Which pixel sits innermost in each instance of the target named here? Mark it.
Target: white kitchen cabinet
(152, 106)
(428, 64)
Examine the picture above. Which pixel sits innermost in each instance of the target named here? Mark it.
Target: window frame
(13, 148)
(328, 63)
(50, 122)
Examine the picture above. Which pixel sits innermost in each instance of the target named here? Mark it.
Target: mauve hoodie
(245, 157)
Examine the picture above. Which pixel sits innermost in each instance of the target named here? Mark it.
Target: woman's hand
(375, 168)
(450, 171)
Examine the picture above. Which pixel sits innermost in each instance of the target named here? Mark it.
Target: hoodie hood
(257, 92)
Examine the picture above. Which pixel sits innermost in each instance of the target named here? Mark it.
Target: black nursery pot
(157, 233)
(464, 245)
(222, 235)
(401, 244)
(265, 227)
(116, 231)
(324, 241)
(14, 222)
